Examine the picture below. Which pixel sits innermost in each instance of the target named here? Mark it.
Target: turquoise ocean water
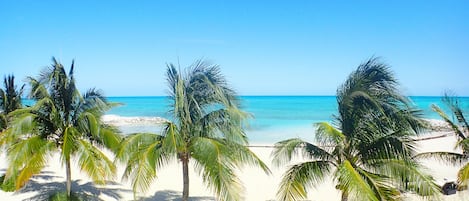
(275, 117)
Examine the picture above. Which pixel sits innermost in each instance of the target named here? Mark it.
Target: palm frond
(217, 165)
(3, 100)
(173, 139)
(463, 145)
(407, 118)
(241, 155)
(463, 174)
(38, 90)
(87, 122)
(285, 150)
(353, 183)
(136, 143)
(28, 157)
(453, 126)
(94, 101)
(10, 98)
(226, 123)
(143, 154)
(23, 123)
(327, 135)
(409, 175)
(69, 143)
(142, 175)
(395, 145)
(94, 162)
(444, 157)
(172, 77)
(3, 125)
(453, 103)
(110, 138)
(301, 176)
(380, 185)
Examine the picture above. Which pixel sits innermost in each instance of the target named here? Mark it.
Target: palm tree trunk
(185, 176)
(344, 196)
(69, 176)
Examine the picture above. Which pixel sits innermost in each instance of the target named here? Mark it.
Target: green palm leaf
(69, 142)
(453, 104)
(94, 162)
(301, 176)
(173, 140)
(226, 123)
(445, 117)
(450, 157)
(287, 149)
(327, 135)
(353, 183)
(217, 166)
(26, 158)
(409, 175)
(108, 137)
(389, 146)
(463, 174)
(242, 155)
(10, 96)
(143, 154)
(380, 184)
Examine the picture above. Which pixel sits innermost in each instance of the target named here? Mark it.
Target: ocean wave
(438, 125)
(117, 120)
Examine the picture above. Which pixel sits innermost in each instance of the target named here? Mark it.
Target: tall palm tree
(62, 120)
(206, 128)
(10, 99)
(367, 151)
(461, 128)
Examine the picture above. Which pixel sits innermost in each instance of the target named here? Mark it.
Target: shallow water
(274, 117)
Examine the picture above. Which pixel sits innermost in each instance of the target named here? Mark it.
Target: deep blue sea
(274, 117)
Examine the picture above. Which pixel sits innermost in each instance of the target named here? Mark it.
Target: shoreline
(262, 136)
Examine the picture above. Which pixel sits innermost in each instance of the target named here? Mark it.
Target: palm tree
(10, 99)
(206, 128)
(461, 128)
(367, 151)
(62, 120)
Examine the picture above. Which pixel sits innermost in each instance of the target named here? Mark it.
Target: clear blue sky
(263, 47)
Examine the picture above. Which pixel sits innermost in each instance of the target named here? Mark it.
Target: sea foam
(117, 120)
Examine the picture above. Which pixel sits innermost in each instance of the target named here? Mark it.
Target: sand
(168, 185)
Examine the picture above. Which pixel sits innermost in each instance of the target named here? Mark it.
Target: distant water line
(274, 117)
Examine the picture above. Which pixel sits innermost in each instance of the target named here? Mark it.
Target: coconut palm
(206, 128)
(62, 120)
(461, 128)
(367, 151)
(10, 99)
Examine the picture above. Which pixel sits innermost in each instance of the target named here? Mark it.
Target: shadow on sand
(174, 196)
(88, 191)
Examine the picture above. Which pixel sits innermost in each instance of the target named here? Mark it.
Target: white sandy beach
(168, 186)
